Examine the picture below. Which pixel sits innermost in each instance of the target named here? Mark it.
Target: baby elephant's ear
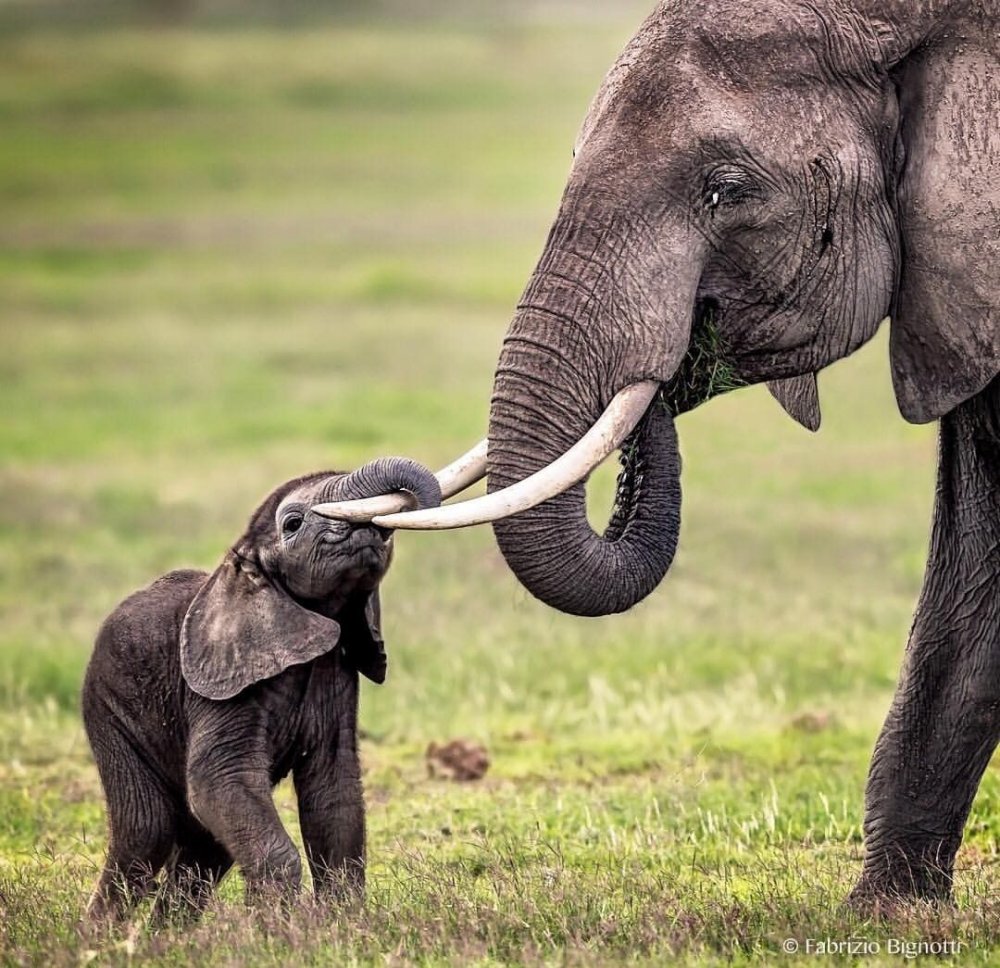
(364, 648)
(241, 629)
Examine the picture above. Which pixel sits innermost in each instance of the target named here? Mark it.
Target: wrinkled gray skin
(204, 691)
(756, 186)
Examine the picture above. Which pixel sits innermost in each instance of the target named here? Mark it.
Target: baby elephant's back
(133, 685)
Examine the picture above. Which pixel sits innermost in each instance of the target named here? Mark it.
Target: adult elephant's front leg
(945, 718)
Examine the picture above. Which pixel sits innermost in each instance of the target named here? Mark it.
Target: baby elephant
(205, 690)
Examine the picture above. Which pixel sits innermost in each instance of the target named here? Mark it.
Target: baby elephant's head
(322, 562)
(296, 585)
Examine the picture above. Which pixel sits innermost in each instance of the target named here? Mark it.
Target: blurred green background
(241, 242)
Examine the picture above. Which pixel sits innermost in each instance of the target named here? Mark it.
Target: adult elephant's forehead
(678, 136)
(761, 42)
(745, 70)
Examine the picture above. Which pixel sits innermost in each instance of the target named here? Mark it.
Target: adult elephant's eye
(729, 186)
(291, 524)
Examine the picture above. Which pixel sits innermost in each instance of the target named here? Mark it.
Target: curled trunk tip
(385, 475)
(561, 560)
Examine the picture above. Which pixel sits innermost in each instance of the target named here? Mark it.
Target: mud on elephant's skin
(205, 690)
(757, 185)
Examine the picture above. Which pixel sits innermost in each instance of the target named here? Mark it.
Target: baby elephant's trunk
(385, 475)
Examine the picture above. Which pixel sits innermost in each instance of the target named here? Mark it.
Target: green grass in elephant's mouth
(706, 370)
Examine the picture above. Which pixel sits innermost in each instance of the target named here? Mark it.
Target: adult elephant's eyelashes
(729, 186)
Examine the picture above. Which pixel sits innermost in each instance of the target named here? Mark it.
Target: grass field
(230, 256)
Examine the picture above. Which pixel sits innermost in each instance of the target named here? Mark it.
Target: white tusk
(363, 510)
(606, 436)
(464, 472)
(455, 478)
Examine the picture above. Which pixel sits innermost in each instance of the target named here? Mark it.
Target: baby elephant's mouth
(362, 539)
(360, 549)
(366, 554)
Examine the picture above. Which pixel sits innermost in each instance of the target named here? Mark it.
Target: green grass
(230, 256)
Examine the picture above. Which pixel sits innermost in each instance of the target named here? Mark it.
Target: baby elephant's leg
(198, 864)
(331, 802)
(142, 820)
(230, 795)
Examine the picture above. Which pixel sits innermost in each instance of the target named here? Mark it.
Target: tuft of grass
(706, 371)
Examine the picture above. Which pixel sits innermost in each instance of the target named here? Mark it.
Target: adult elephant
(756, 186)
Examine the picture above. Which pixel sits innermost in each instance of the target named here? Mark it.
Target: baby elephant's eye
(291, 524)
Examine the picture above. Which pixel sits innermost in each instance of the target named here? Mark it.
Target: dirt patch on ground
(457, 759)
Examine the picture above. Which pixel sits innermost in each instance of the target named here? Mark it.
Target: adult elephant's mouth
(706, 369)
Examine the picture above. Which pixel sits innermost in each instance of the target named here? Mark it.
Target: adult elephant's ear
(241, 629)
(945, 339)
(361, 641)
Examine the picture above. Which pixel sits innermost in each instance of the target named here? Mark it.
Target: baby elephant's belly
(314, 713)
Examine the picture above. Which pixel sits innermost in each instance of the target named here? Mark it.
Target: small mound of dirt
(458, 759)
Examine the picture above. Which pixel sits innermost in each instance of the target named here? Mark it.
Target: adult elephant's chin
(552, 548)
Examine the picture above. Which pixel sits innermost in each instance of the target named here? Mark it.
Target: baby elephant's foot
(189, 885)
(120, 888)
(276, 877)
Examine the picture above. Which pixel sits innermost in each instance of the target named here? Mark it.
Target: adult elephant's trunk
(384, 475)
(584, 331)
(552, 548)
